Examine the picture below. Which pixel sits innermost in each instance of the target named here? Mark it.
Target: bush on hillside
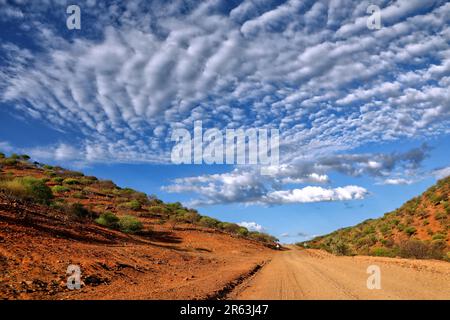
(190, 217)
(439, 236)
(9, 161)
(174, 206)
(161, 210)
(57, 180)
(109, 220)
(130, 224)
(410, 230)
(208, 222)
(24, 157)
(60, 189)
(134, 205)
(71, 181)
(340, 248)
(382, 252)
(229, 227)
(263, 237)
(79, 195)
(242, 231)
(27, 188)
(420, 249)
(441, 215)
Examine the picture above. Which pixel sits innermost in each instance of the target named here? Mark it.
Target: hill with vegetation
(129, 245)
(418, 229)
(86, 197)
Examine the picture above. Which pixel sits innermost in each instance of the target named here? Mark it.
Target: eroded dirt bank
(181, 264)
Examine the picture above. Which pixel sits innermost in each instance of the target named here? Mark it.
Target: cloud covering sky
(312, 69)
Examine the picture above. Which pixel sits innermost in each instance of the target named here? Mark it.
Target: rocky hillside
(418, 229)
(102, 201)
(129, 245)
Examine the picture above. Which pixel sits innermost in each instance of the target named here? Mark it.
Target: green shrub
(132, 205)
(410, 230)
(447, 256)
(47, 167)
(130, 224)
(79, 195)
(446, 206)
(71, 181)
(9, 162)
(108, 219)
(441, 215)
(229, 227)
(24, 157)
(158, 210)
(439, 236)
(208, 222)
(71, 173)
(263, 237)
(59, 189)
(174, 206)
(382, 252)
(50, 173)
(2, 155)
(134, 195)
(57, 180)
(369, 230)
(436, 198)
(191, 217)
(85, 181)
(366, 241)
(340, 248)
(242, 231)
(14, 156)
(28, 188)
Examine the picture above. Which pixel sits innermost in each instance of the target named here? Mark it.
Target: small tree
(108, 219)
(28, 188)
(208, 222)
(130, 224)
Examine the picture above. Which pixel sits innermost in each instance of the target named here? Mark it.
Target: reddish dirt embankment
(189, 263)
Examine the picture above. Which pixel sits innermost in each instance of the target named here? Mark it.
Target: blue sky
(363, 114)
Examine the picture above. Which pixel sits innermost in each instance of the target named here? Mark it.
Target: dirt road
(314, 274)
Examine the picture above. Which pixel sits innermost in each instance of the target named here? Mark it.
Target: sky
(362, 113)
